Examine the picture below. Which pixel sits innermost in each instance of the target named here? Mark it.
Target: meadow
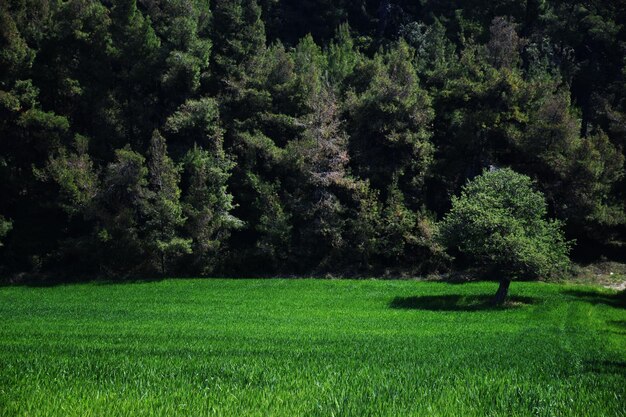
(280, 347)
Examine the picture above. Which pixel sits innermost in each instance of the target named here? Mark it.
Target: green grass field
(311, 348)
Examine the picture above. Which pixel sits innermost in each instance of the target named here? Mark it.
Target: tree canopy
(500, 222)
(187, 137)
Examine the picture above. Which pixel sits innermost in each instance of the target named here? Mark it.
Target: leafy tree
(490, 112)
(499, 222)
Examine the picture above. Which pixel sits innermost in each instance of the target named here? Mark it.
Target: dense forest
(244, 137)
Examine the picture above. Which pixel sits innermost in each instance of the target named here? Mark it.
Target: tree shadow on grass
(457, 303)
(617, 326)
(55, 282)
(595, 297)
(605, 367)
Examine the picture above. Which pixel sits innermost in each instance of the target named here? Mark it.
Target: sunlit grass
(311, 347)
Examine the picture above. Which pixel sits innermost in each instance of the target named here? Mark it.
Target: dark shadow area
(594, 297)
(618, 323)
(37, 282)
(617, 326)
(457, 302)
(605, 367)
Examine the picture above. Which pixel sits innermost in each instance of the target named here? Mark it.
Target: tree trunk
(503, 290)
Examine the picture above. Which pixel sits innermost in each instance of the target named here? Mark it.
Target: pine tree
(208, 206)
(121, 212)
(390, 125)
(322, 159)
(76, 177)
(238, 37)
(164, 211)
(342, 56)
(184, 28)
(272, 226)
(135, 64)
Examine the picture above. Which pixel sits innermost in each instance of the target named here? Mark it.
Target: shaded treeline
(243, 137)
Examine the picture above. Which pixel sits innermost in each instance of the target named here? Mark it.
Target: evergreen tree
(577, 174)
(390, 125)
(78, 184)
(208, 206)
(121, 212)
(238, 37)
(135, 63)
(435, 54)
(310, 65)
(331, 147)
(270, 229)
(164, 211)
(75, 176)
(407, 238)
(322, 158)
(184, 29)
(342, 56)
(196, 130)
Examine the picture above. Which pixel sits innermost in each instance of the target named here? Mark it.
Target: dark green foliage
(74, 173)
(273, 226)
(390, 124)
(342, 56)
(195, 122)
(164, 211)
(183, 26)
(207, 205)
(5, 227)
(499, 222)
(238, 37)
(406, 234)
(121, 212)
(175, 136)
(322, 159)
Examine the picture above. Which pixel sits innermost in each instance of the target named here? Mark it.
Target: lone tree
(499, 222)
